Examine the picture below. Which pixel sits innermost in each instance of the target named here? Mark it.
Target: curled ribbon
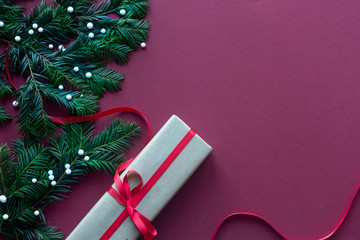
(276, 230)
(125, 196)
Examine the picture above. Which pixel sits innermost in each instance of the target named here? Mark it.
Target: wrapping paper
(107, 209)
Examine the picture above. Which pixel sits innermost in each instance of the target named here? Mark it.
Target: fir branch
(80, 104)
(29, 160)
(57, 74)
(136, 7)
(4, 116)
(55, 22)
(107, 79)
(45, 232)
(105, 150)
(33, 120)
(132, 31)
(6, 168)
(12, 14)
(103, 8)
(80, 6)
(112, 49)
(5, 89)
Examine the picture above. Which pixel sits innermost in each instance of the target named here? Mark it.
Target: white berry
(40, 29)
(15, 103)
(60, 47)
(50, 172)
(88, 75)
(61, 87)
(35, 25)
(31, 32)
(51, 46)
(122, 12)
(90, 25)
(3, 199)
(103, 31)
(36, 213)
(53, 183)
(17, 38)
(1, 23)
(5, 217)
(91, 35)
(70, 9)
(81, 152)
(76, 69)
(68, 171)
(34, 180)
(63, 49)
(86, 158)
(143, 44)
(51, 177)
(67, 166)
(81, 95)
(68, 97)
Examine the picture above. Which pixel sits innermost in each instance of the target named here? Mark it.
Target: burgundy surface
(273, 86)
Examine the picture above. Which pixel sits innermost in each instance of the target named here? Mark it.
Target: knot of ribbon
(129, 198)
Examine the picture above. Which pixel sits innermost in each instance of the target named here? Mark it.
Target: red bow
(129, 198)
(132, 198)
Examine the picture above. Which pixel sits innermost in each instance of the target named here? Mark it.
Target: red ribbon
(132, 198)
(78, 119)
(7, 67)
(277, 231)
(126, 197)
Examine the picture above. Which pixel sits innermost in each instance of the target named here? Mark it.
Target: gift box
(164, 165)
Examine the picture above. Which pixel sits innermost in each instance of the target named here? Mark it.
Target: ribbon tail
(143, 224)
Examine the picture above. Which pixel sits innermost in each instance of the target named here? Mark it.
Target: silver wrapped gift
(107, 209)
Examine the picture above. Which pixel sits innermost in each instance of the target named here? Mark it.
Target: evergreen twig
(30, 160)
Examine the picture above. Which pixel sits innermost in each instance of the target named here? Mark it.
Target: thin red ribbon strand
(277, 231)
(7, 67)
(78, 119)
(134, 197)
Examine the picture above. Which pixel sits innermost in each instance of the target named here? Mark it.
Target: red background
(273, 86)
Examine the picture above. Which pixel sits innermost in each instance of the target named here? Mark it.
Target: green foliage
(43, 231)
(45, 69)
(30, 160)
(137, 7)
(5, 89)
(4, 117)
(33, 120)
(6, 167)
